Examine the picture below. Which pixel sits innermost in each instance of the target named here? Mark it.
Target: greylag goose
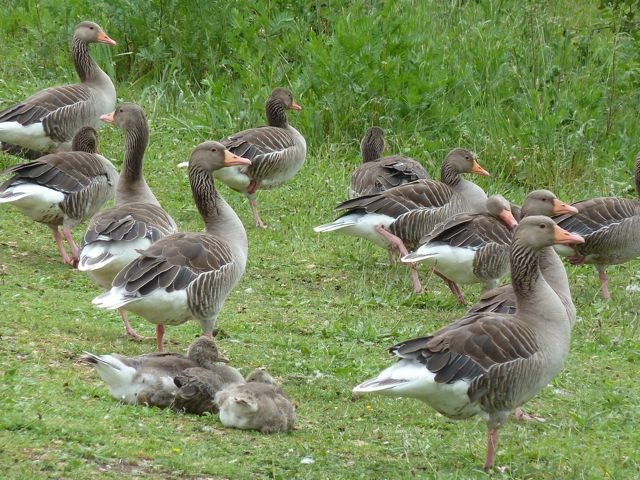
(469, 247)
(401, 216)
(62, 189)
(611, 230)
(502, 299)
(490, 363)
(377, 173)
(46, 121)
(115, 235)
(258, 404)
(187, 275)
(85, 140)
(149, 379)
(277, 151)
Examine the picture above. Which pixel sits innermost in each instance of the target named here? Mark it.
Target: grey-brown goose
(489, 363)
(377, 173)
(259, 404)
(187, 276)
(47, 121)
(115, 235)
(149, 379)
(502, 299)
(62, 189)
(399, 217)
(611, 229)
(469, 247)
(277, 151)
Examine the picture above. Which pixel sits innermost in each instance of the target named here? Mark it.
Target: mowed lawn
(319, 311)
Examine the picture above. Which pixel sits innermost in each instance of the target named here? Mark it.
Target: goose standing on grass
(63, 189)
(470, 247)
(502, 299)
(401, 216)
(377, 174)
(47, 121)
(149, 379)
(115, 235)
(277, 151)
(488, 364)
(188, 275)
(611, 230)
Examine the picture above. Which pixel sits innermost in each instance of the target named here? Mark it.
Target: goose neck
(86, 68)
(638, 176)
(135, 144)
(449, 174)
(276, 113)
(370, 152)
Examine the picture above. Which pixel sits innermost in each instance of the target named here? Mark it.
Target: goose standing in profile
(187, 276)
(149, 379)
(377, 174)
(611, 230)
(47, 121)
(488, 364)
(277, 151)
(399, 217)
(62, 189)
(115, 235)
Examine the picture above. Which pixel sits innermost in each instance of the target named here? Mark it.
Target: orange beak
(108, 117)
(478, 170)
(562, 237)
(508, 219)
(561, 207)
(296, 107)
(103, 38)
(231, 159)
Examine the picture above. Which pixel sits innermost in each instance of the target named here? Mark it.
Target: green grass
(536, 90)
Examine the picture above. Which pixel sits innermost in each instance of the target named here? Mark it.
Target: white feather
(234, 177)
(30, 136)
(360, 225)
(455, 263)
(35, 201)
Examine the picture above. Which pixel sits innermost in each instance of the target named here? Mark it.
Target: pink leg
(159, 337)
(128, 330)
(392, 256)
(604, 284)
(492, 441)
(254, 209)
(74, 248)
(402, 251)
(58, 238)
(520, 415)
(453, 287)
(252, 187)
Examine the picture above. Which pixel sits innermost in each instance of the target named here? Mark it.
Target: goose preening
(277, 151)
(488, 363)
(187, 276)
(149, 379)
(377, 173)
(399, 217)
(469, 247)
(46, 121)
(62, 189)
(259, 404)
(502, 299)
(611, 230)
(115, 235)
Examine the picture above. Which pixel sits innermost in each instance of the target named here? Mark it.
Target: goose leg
(453, 287)
(74, 248)
(402, 251)
(391, 255)
(604, 284)
(159, 337)
(492, 441)
(254, 209)
(128, 329)
(58, 238)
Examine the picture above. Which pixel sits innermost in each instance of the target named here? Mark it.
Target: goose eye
(90, 28)
(542, 225)
(214, 149)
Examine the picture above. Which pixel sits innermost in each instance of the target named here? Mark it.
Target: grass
(543, 108)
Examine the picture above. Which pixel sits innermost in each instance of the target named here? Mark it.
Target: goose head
(372, 144)
(205, 353)
(85, 140)
(260, 375)
(284, 97)
(499, 207)
(125, 116)
(544, 202)
(463, 161)
(90, 32)
(539, 232)
(212, 156)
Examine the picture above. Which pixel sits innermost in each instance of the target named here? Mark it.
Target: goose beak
(231, 159)
(183, 164)
(103, 38)
(508, 219)
(222, 358)
(478, 170)
(562, 237)
(108, 117)
(296, 107)
(561, 207)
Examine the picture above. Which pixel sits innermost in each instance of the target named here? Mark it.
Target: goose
(469, 247)
(276, 151)
(149, 379)
(115, 235)
(377, 173)
(187, 275)
(399, 217)
(62, 189)
(502, 299)
(487, 364)
(259, 404)
(611, 229)
(47, 121)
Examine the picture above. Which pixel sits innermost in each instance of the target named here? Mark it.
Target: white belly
(360, 225)
(39, 203)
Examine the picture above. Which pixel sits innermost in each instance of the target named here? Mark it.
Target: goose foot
(398, 244)
(492, 441)
(520, 415)
(128, 329)
(75, 251)
(254, 209)
(66, 259)
(604, 283)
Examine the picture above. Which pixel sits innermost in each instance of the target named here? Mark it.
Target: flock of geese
(508, 346)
